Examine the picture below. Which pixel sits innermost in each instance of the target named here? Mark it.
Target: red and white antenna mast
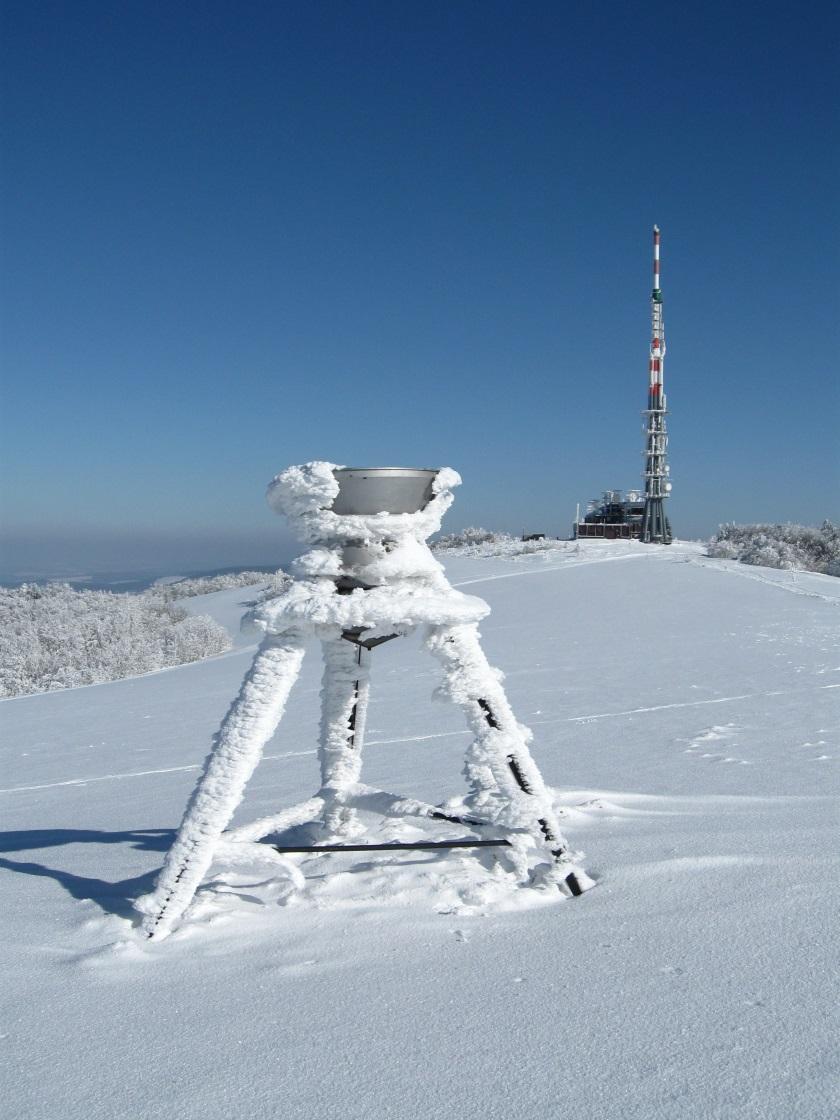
(655, 525)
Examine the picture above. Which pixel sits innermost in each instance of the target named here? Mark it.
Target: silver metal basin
(364, 490)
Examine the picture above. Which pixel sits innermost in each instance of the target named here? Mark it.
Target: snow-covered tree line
(205, 585)
(55, 637)
(475, 541)
(780, 546)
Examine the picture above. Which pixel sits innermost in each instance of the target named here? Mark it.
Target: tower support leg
(344, 701)
(505, 784)
(247, 727)
(656, 529)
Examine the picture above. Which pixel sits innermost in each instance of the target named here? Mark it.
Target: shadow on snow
(112, 898)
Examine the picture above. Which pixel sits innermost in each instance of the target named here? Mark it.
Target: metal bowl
(366, 490)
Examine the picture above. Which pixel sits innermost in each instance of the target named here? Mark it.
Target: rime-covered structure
(367, 578)
(641, 516)
(655, 525)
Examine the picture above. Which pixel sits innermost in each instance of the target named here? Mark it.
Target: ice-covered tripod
(369, 577)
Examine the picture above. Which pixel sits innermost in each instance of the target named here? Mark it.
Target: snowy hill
(687, 713)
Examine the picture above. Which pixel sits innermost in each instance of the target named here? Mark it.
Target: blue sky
(242, 236)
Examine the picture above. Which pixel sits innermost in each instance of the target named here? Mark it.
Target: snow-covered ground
(687, 713)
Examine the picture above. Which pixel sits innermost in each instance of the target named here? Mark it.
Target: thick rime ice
(344, 701)
(471, 683)
(302, 494)
(248, 725)
(367, 578)
(318, 606)
(505, 785)
(405, 584)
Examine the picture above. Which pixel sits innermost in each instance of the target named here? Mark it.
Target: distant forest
(53, 636)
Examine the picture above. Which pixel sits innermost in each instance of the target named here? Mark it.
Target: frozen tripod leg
(344, 700)
(499, 765)
(247, 727)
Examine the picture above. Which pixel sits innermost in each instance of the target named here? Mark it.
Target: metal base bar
(421, 845)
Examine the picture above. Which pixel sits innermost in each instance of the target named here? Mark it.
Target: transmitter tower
(656, 528)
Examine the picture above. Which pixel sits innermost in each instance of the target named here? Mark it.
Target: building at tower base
(614, 517)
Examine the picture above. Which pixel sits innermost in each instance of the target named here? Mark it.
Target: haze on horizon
(413, 235)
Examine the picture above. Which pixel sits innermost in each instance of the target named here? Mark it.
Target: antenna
(656, 528)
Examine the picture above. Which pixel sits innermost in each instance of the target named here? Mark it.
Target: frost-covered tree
(206, 585)
(468, 537)
(483, 542)
(780, 546)
(55, 637)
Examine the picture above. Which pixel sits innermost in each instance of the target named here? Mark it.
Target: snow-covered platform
(694, 750)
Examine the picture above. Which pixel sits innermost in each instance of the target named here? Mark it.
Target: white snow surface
(686, 713)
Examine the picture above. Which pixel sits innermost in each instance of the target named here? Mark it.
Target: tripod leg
(247, 727)
(344, 700)
(504, 779)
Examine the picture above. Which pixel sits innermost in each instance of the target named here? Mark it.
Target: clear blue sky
(238, 236)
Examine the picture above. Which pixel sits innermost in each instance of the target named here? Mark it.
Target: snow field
(693, 750)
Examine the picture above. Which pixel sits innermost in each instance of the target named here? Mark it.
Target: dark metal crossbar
(419, 846)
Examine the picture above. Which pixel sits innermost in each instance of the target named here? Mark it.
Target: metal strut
(395, 846)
